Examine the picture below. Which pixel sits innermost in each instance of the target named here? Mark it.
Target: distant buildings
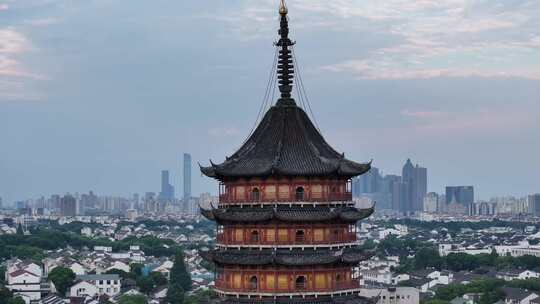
(460, 199)
(534, 204)
(187, 176)
(414, 183)
(68, 205)
(431, 202)
(400, 193)
(88, 203)
(167, 190)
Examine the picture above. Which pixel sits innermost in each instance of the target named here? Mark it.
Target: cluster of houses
(95, 275)
(379, 273)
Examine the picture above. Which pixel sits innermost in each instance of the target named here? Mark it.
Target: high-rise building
(462, 195)
(367, 183)
(534, 204)
(167, 190)
(395, 187)
(414, 187)
(305, 250)
(187, 177)
(431, 202)
(88, 203)
(135, 201)
(68, 205)
(421, 187)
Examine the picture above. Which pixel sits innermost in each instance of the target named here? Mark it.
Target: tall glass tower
(187, 177)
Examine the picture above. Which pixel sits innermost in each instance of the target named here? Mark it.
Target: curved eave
(346, 169)
(250, 215)
(351, 169)
(209, 171)
(207, 213)
(297, 258)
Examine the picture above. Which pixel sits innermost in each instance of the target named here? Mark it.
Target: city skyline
(72, 120)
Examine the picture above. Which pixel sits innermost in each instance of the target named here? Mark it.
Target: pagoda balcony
(290, 240)
(226, 199)
(222, 287)
(285, 192)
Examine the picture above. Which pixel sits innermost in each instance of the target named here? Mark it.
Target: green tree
(132, 299)
(145, 284)
(136, 269)
(436, 301)
(16, 300)
(427, 258)
(62, 278)
(20, 230)
(201, 297)
(5, 295)
(175, 294)
(179, 273)
(491, 296)
(2, 273)
(461, 261)
(158, 278)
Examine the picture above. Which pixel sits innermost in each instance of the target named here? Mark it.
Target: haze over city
(103, 95)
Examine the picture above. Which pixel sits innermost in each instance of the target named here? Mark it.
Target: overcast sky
(103, 94)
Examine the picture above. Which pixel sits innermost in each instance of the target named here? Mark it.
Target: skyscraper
(68, 205)
(187, 177)
(534, 204)
(463, 195)
(420, 187)
(167, 190)
(414, 188)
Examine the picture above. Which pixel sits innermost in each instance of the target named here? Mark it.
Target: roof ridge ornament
(283, 8)
(285, 67)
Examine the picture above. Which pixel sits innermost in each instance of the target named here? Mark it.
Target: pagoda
(286, 224)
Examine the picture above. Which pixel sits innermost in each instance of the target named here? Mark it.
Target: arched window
(300, 236)
(300, 282)
(255, 236)
(255, 194)
(253, 283)
(300, 193)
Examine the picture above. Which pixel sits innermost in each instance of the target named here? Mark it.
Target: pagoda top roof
(285, 143)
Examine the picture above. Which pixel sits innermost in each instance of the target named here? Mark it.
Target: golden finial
(283, 8)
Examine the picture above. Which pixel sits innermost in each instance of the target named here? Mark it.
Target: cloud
(421, 126)
(14, 77)
(430, 38)
(4, 7)
(374, 70)
(461, 38)
(423, 114)
(42, 22)
(224, 132)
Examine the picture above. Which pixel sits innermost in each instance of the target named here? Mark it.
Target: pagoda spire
(285, 68)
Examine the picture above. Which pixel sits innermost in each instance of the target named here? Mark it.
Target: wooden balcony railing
(221, 285)
(227, 239)
(330, 197)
